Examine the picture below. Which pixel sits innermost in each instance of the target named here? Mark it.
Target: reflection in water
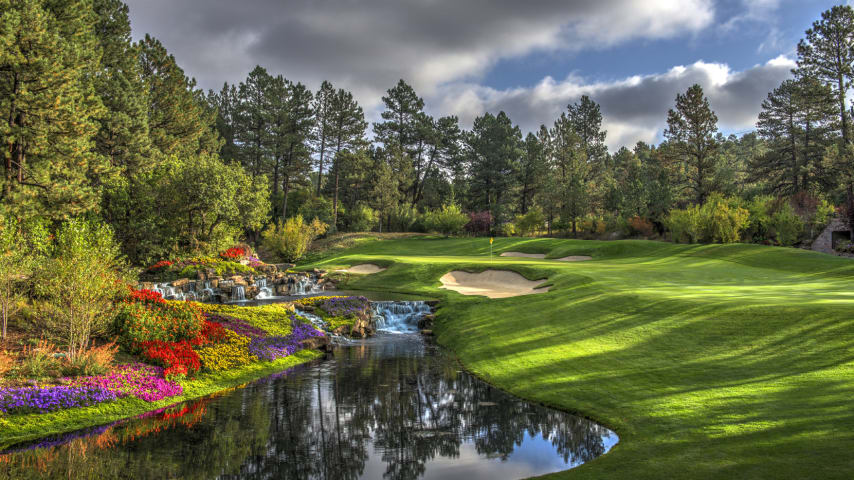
(390, 407)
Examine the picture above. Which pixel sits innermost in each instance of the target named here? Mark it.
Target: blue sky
(529, 59)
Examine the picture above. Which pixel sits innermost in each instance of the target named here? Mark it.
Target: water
(238, 293)
(306, 286)
(391, 407)
(398, 317)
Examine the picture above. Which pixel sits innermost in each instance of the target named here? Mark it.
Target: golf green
(716, 361)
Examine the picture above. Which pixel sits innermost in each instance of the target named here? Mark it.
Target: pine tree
(123, 133)
(532, 168)
(690, 136)
(293, 123)
(252, 122)
(494, 147)
(827, 53)
(585, 119)
(180, 122)
(348, 125)
(47, 63)
(323, 125)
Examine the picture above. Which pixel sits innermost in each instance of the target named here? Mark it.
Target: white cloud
(634, 108)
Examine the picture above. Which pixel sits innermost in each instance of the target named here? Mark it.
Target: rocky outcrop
(209, 287)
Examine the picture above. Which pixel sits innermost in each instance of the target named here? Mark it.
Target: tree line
(100, 126)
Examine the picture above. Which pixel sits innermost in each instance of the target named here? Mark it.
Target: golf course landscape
(712, 361)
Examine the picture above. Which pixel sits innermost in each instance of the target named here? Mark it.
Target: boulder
(180, 282)
(238, 280)
(214, 282)
(432, 303)
(317, 343)
(282, 289)
(307, 308)
(428, 333)
(251, 291)
(145, 286)
(426, 321)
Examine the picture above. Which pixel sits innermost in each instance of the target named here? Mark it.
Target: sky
(529, 59)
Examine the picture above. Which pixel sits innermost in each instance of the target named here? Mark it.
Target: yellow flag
(490, 240)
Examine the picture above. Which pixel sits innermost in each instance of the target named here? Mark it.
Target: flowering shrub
(231, 352)
(236, 325)
(48, 399)
(271, 348)
(159, 265)
(213, 332)
(233, 253)
(480, 223)
(178, 358)
(144, 317)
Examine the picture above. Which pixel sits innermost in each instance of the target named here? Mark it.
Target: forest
(99, 127)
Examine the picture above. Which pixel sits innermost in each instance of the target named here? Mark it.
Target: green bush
(530, 223)
(317, 207)
(720, 222)
(787, 225)
(290, 240)
(361, 218)
(448, 220)
(683, 225)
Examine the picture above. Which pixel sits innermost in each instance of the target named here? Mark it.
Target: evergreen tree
(47, 64)
(293, 123)
(493, 147)
(532, 168)
(252, 122)
(585, 119)
(827, 53)
(179, 120)
(348, 127)
(690, 136)
(226, 102)
(123, 134)
(323, 126)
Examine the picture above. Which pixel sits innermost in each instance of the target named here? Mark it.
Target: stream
(389, 407)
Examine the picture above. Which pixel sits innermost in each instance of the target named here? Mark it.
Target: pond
(390, 407)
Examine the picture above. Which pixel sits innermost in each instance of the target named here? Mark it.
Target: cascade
(398, 317)
(207, 292)
(238, 293)
(306, 286)
(263, 290)
(321, 325)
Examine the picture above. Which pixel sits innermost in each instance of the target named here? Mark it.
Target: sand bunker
(491, 283)
(364, 269)
(575, 258)
(520, 254)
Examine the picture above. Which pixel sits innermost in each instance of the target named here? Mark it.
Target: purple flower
(49, 399)
(271, 348)
(236, 325)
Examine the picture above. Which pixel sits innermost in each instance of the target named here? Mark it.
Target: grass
(726, 361)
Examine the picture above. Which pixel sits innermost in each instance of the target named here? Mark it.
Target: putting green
(726, 361)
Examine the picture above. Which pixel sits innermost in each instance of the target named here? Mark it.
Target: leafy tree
(47, 64)
(79, 283)
(690, 136)
(449, 220)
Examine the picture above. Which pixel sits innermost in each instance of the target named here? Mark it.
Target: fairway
(717, 361)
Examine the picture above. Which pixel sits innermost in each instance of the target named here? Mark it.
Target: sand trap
(491, 283)
(364, 269)
(575, 258)
(526, 255)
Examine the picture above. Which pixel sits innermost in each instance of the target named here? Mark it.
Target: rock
(214, 282)
(428, 333)
(180, 282)
(283, 267)
(145, 286)
(239, 280)
(426, 321)
(308, 308)
(201, 276)
(342, 330)
(317, 343)
(282, 289)
(251, 291)
(432, 303)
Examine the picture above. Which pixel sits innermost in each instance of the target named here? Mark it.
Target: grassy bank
(728, 361)
(21, 428)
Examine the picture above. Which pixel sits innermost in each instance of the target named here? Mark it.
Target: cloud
(634, 108)
(367, 45)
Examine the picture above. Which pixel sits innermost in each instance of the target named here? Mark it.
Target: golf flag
(490, 240)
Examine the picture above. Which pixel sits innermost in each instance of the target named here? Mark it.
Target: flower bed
(271, 348)
(51, 398)
(139, 380)
(233, 351)
(144, 316)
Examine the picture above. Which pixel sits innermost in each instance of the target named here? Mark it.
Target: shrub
(480, 223)
(361, 218)
(40, 360)
(291, 239)
(448, 220)
(178, 358)
(7, 361)
(531, 222)
(640, 226)
(787, 225)
(402, 218)
(94, 361)
(233, 253)
(683, 225)
(79, 283)
(143, 321)
(507, 229)
(720, 223)
(232, 350)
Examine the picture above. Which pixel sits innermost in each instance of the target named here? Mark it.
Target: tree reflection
(384, 399)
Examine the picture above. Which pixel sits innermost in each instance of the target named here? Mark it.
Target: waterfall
(238, 293)
(263, 290)
(306, 286)
(398, 317)
(207, 292)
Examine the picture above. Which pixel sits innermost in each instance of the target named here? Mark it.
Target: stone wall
(824, 242)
